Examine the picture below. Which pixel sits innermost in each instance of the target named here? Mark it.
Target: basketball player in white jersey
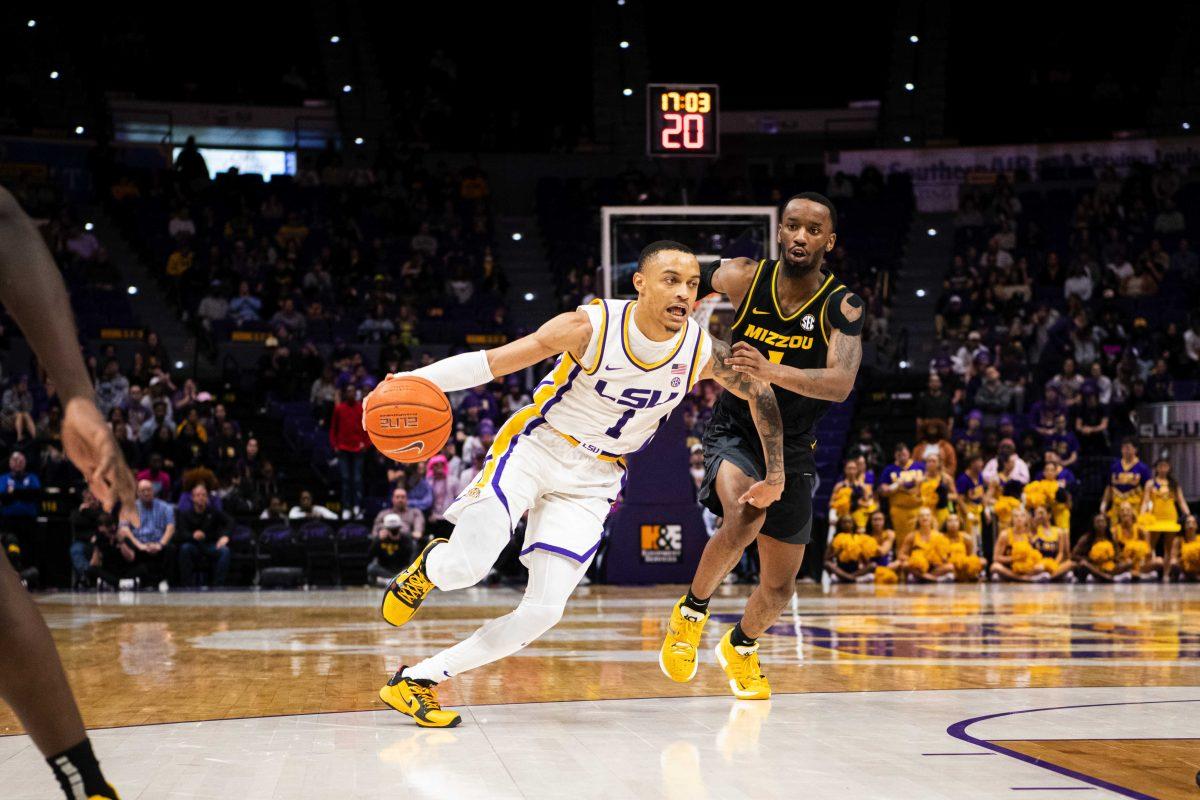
(622, 367)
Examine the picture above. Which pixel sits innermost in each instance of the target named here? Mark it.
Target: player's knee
(778, 593)
(536, 618)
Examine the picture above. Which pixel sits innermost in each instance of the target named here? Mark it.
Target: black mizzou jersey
(799, 340)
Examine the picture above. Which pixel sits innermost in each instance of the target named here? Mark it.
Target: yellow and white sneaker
(679, 656)
(746, 680)
(418, 700)
(408, 590)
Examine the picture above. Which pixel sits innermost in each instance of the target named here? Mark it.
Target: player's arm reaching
(32, 290)
(835, 381)
(729, 276)
(569, 332)
(764, 409)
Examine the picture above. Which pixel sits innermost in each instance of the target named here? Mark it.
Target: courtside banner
(937, 172)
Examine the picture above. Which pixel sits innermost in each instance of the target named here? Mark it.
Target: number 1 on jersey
(775, 356)
(615, 430)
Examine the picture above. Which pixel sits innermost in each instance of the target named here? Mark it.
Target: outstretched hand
(89, 442)
(750, 361)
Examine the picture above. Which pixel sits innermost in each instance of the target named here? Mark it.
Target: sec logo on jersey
(808, 322)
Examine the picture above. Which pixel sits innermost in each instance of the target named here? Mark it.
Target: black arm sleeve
(837, 319)
(706, 275)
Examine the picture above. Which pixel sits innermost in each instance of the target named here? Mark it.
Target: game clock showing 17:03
(681, 119)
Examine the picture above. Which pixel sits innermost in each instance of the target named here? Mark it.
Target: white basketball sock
(552, 578)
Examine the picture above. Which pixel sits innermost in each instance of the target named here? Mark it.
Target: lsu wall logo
(662, 544)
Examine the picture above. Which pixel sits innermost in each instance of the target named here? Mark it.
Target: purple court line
(959, 731)
(958, 754)
(1053, 788)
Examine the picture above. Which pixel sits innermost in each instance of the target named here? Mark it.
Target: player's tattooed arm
(764, 409)
(834, 381)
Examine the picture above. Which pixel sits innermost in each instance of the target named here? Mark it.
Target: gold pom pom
(885, 575)
(1025, 559)
(1003, 509)
(1102, 551)
(840, 502)
(1049, 565)
(1190, 556)
(966, 568)
(918, 563)
(1136, 550)
(868, 548)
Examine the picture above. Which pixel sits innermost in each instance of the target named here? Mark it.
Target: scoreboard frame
(710, 120)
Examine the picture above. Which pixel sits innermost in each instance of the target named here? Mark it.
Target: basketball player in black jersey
(799, 329)
(32, 680)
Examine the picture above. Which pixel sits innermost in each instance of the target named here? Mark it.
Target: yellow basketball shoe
(408, 590)
(746, 680)
(679, 656)
(418, 700)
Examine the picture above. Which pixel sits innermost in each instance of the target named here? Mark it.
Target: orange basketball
(408, 419)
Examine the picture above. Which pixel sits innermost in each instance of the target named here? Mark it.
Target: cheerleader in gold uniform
(1015, 557)
(1127, 480)
(973, 496)
(1095, 555)
(1163, 501)
(1185, 556)
(1133, 546)
(925, 553)
(968, 565)
(1053, 544)
(937, 490)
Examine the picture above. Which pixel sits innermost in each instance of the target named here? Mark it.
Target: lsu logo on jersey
(773, 339)
(636, 398)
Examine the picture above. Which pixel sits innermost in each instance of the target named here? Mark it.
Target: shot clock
(681, 119)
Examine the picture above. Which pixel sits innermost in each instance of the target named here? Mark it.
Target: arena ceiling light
(335, 39)
(79, 130)
(87, 226)
(529, 297)
(914, 39)
(358, 140)
(31, 24)
(908, 87)
(517, 236)
(132, 290)
(920, 292)
(178, 365)
(903, 365)
(54, 75)
(932, 231)
(1187, 126)
(627, 92)
(624, 45)
(347, 89)
(907, 138)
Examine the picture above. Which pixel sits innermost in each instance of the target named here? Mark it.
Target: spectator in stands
(1080, 284)
(179, 267)
(323, 395)
(868, 448)
(934, 404)
(445, 489)
(349, 441)
(288, 317)
(160, 420)
(245, 307)
(113, 560)
(190, 164)
(155, 529)
(481, 442)
(214, 306)
(205, 534)
(276, 510)
(391, 550)
(1170, 220)
(412, 478)
(994, 396)
(84, 524)
(16, 409)
(424, 242)
(20, 492)
(181, 224)
(515, 397)
(137, 409)
(306, 508)
(112, 390)
(1019, 469)
(376, 326)
(412, 521)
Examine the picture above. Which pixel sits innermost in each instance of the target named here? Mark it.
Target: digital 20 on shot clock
(682, 120)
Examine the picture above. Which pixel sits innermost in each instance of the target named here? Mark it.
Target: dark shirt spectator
(19, 489)
(205, 537)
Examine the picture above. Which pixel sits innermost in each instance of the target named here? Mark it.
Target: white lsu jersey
(611, 403)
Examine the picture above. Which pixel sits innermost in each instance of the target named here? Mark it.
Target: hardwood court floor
(1101, 683)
